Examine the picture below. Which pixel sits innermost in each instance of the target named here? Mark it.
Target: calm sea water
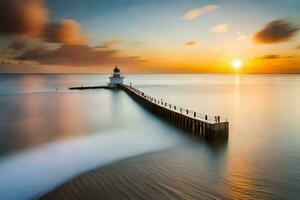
(48, 135)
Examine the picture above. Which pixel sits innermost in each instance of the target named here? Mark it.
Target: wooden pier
(89, 87)
(198, 124)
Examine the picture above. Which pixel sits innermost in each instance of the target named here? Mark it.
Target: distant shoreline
(135, 73)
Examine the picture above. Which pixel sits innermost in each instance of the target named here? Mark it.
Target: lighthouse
(116, 78)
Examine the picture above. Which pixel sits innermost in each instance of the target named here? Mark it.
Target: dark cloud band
(77, 55)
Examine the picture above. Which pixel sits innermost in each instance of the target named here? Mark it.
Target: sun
(236, 64)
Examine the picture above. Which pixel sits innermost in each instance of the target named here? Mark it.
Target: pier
(89, 87)
(198, 124)
(201, 125)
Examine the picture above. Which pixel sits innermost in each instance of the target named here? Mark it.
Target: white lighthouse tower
(116, 78)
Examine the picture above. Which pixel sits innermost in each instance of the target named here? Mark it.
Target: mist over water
(49, 135)
(46, 167)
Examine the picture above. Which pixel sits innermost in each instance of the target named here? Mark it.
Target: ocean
(50, 135)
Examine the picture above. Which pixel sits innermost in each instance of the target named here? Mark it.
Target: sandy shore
(172, 174)
(134, 178)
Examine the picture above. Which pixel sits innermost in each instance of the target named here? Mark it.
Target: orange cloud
(220, 28)
(26, 18)
(191, 43)
(110, 43)
(30, 18)
(196, 12)
(275, 32)
(269, 57)
(77, 55)
(274, 56)
(67, 32)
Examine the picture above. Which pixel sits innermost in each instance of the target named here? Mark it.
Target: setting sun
(236, 64)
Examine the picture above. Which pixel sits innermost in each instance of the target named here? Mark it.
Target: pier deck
(89, 87)
(199, 124)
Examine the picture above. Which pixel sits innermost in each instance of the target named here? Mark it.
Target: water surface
(49, 135)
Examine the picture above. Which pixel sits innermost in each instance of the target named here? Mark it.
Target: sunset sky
(146, 36)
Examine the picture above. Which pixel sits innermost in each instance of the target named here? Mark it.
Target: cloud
(240, 36)
(298, 47)
(289, 57)
(269, 57)
(110, 43)
(196, 12)
(191, 43)
(77, 55)
(67, 32)
(18, 44)
(273, 56)
(25, 18)
(136, 43)
(220, 28)
(30, 18)
(275, 32)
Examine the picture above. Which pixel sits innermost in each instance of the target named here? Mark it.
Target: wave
(30, 174)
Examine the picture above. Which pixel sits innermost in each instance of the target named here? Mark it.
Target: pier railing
(174, 108)
(210, 127)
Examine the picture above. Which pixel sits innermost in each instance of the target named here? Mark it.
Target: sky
(150, 36)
